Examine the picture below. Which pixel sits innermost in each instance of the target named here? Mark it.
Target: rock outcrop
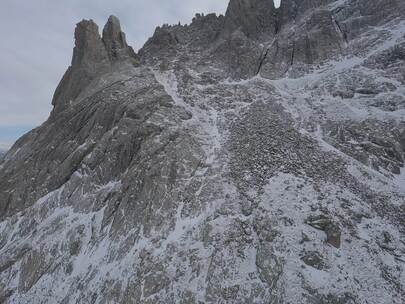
(252, 17)
(92, 56)
(115, 41)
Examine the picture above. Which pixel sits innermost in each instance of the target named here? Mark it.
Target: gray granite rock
(256, 157)
(89, 58)
(252, 17)
(115, 41)
(92, 56)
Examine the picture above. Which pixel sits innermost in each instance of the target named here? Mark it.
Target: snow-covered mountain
(256, 157)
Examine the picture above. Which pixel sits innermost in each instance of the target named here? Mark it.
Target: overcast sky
(37, 43)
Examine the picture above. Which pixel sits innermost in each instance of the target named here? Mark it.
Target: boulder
(326, 224)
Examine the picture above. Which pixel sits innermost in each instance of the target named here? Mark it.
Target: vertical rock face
(296, 34)
(91, 56)
(302, 41)
(115, 41)
(89, 49)
(252, 17)
(290, 10)
(245, 23)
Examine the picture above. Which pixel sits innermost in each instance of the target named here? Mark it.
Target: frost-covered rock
(232, 160)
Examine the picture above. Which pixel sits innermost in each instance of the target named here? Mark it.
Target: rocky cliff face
(252, 17)
(93, 55)
(256, 157)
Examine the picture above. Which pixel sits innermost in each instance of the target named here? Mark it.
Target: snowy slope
(203, 170)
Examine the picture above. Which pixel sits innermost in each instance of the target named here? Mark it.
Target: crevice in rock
(111, 216)
(292, 53)
(263, 58)
(264, 55)
(3, 212)
(339, 27)
(277, 25)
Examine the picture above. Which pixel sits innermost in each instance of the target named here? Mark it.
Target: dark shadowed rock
(333, 233)
(313, 259)
(89, 49)
(115, 41)
(252, 17)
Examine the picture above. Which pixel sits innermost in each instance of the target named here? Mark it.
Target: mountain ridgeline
(255, 157)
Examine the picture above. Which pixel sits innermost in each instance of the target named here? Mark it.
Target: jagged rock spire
(89, 57)
(252, 17)
(89, 48)
(92, 55)
(115, 40)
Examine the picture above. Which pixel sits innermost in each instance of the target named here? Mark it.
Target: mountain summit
(93, 55)
(256, 157)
